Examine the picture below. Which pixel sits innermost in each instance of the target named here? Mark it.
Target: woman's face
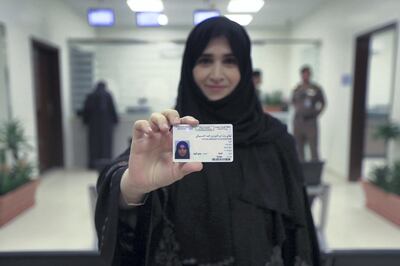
(216, 71)
(182, 150)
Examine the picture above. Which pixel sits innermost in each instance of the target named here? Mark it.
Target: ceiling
(275, 13)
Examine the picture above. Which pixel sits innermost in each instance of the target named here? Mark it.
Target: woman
(182, 150)
(151, 211)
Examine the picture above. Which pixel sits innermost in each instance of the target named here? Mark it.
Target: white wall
(50, 21)
(380, 72)
(301, 55)
(152, 70)
(135, 71)
(273, 61)
(337, 24)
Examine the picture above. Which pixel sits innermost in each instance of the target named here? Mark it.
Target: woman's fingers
(189, 120)
(159, 122)
(140, 128)
(172, 116)
(163, 121)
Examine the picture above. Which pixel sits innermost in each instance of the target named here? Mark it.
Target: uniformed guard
(308, 101)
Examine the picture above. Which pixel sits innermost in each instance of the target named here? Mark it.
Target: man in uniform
(308, 101)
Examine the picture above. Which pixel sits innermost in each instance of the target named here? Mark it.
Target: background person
(100, 116)
(309, 102)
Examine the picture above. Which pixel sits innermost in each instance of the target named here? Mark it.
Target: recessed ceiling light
(162, 19)
(101, 17)
(245, 6)
(151, 19)
(202, 14)
(145, 5)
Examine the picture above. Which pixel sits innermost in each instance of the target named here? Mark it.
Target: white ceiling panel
(275, 13)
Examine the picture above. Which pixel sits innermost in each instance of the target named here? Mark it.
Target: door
(372, 98)
(48, 105)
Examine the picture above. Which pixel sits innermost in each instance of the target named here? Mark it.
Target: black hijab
(242, 107)
(232, 213)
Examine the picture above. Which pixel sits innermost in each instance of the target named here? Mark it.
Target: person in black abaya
(100, 115)
(253, 211)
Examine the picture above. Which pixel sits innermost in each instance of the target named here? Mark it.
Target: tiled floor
(63, 219)
(351, 225)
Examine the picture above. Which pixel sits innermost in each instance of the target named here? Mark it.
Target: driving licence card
(204, 143)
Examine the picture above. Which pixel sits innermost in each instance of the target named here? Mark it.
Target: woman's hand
(150, 161)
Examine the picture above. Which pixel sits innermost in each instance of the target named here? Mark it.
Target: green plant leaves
(387, 178)
(12, 138)
(387, 131)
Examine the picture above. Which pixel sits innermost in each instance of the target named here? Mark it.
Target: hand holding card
(150, 163)
(203, 143)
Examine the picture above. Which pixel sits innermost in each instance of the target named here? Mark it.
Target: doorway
(48, 105)
(372, 98)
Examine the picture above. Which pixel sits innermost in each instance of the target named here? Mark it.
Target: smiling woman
(251, 211)
(143, 63)
(216, 71)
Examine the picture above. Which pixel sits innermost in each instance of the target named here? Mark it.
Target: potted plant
(274, 102)
(382, 191)
(387, 132)
(17, 189)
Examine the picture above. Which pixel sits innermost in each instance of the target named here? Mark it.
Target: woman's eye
(204, 61)
(231, 61)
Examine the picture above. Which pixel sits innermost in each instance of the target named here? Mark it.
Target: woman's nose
(216, 74)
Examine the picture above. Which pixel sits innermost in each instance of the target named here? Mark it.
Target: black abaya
(100, 115)
(249, 212)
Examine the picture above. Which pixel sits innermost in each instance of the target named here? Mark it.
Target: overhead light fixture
(202, 14)
(162, 19)
(245, 6)
(242, 19)
(100, 17)
(145, 5)
(151, 19)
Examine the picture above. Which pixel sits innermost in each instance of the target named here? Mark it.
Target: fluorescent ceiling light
(145, 5)
(162, 19)
(242, 19)
(200, 15)
(151, 19)
(245, 6)
(100, 17)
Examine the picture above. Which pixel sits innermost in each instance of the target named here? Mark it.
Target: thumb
(183, 169)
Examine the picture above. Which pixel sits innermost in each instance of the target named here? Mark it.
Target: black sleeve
(123, 235)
